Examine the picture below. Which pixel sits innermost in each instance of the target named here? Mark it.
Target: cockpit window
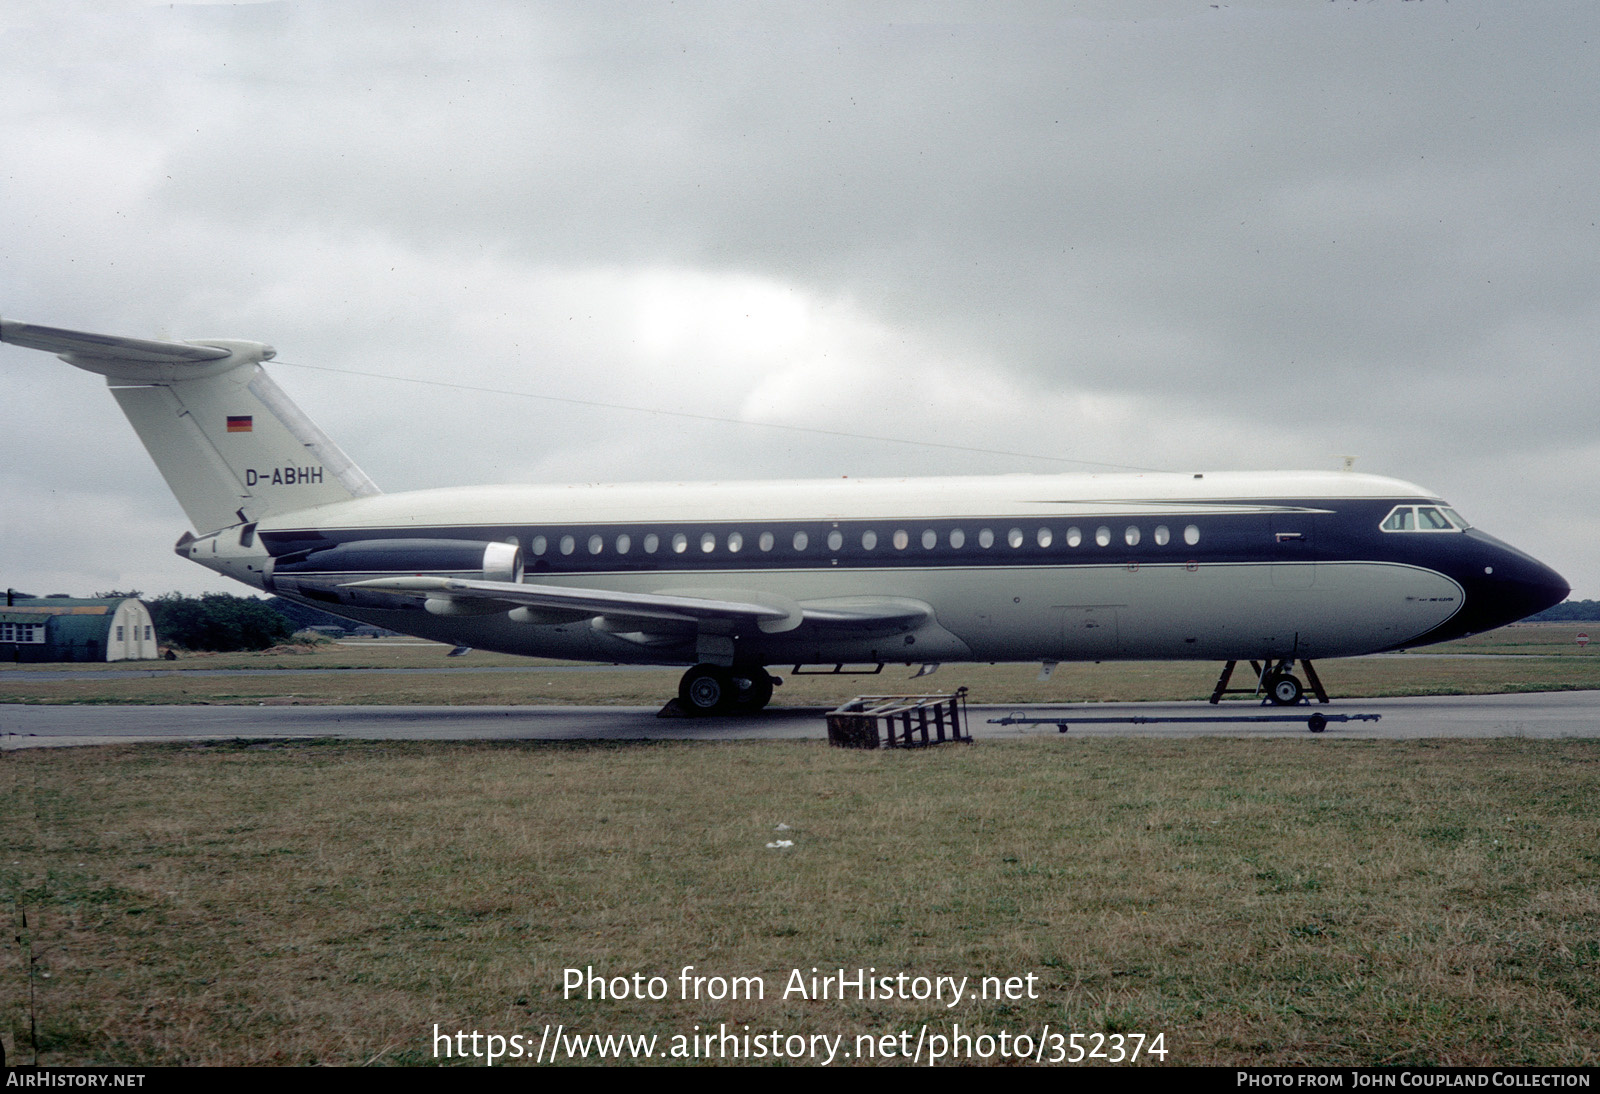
(1423, 518)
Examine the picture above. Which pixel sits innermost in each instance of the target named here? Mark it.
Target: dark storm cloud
(1256, 234)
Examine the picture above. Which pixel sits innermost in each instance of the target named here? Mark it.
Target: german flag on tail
(240, 423)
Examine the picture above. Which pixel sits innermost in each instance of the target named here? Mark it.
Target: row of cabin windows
(900, 539)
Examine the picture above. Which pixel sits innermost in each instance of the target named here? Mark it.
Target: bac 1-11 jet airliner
(1276, 568)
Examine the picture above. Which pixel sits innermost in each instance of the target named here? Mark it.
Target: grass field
(1255, 902)
(1529, 657)
(1251, 901)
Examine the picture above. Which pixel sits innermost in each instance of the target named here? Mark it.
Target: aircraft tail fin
(231, 445)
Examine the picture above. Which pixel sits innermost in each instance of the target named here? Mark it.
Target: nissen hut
(58, 628)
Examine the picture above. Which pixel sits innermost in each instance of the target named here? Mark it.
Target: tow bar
(1316, 722)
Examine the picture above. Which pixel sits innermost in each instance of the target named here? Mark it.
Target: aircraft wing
(580, 603)
(772, 614)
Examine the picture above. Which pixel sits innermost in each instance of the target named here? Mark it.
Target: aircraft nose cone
(1527, 588)
(1547, 590)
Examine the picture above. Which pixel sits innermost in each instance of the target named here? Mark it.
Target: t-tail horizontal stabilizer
(231, 445)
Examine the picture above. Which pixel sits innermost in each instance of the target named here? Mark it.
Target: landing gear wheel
(1284, 690)
(706, 689)
(752, 689)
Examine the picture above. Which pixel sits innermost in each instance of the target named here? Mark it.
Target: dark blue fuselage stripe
(1311, 534)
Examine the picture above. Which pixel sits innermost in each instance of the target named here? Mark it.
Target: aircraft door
(1089, 632)
(1294, 550)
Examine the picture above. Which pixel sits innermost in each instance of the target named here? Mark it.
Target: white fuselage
(1013, 568)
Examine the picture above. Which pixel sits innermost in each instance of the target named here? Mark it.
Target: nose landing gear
(1283, 689)
(1275, 681)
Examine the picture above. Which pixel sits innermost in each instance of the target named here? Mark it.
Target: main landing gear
(714, 689)
(1275, 681)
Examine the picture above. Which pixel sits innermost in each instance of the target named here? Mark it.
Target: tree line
(222, 622)
(1568, 610)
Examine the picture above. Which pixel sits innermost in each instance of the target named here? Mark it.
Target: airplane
(730, 579)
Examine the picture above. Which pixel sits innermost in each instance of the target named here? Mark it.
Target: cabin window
(902, 539)
(1074, 537)
(1044, 537)
(766, 541)
(1162, 535)
(680, 543)
(1014, 537)
(986, 538)
(568, 545)
(651, 542)
(800, 541)
(708, 542)
(1102, 536)
(958, 538)
(539, 543)
(1130, 535)
(596, 544)
(1191, 535)
(869, 539)
(623, 543)
(930, 539)
(835, 540)
(735, 542)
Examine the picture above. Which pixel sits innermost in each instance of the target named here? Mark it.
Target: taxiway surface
(1542, 714)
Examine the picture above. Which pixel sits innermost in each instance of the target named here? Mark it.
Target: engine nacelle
(320, 573)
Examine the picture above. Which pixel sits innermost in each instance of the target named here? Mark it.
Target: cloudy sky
(1178, 235)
